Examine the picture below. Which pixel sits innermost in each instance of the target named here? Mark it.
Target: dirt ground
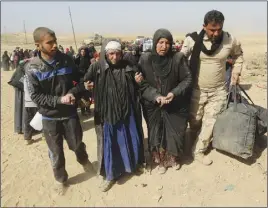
(27, 178)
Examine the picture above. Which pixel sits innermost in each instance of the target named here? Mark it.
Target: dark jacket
(47, 83)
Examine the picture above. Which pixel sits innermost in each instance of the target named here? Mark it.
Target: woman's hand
(138, 77)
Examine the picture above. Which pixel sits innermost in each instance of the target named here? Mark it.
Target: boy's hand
(68, 99)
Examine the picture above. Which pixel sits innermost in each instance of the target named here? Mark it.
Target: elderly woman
(117, 116)
(166, 81)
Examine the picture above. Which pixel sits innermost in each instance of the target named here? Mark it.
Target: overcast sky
(131, 17)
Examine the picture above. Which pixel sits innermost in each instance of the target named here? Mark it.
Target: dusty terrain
(26, 173)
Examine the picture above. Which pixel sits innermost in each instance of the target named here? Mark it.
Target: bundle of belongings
(17, 78)
(239, 125)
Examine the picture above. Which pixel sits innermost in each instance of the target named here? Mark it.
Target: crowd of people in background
(10, 61)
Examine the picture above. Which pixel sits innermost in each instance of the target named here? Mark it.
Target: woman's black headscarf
(161, 64)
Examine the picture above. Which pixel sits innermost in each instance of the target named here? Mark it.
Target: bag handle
(231, 87)
(240, 88)
(235, 97)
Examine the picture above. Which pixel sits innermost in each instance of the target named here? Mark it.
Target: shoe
(200, 157)
(173, 162)
(155, 157)
(139, 170)
(106, 185)
(176, 167)
(29, 141)
(60, 187)
(162, 170)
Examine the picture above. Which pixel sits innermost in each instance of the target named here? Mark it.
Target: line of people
(170, 89)
(12, 60)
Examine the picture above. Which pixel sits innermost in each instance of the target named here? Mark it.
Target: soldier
(209, 50)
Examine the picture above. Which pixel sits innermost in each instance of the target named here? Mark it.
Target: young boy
(50, 78)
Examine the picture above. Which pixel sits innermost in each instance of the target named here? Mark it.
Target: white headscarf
(113, 46)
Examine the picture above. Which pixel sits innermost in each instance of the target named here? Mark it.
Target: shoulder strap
(240, 88)
(193, 35)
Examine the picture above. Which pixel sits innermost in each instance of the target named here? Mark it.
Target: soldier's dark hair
(213, 16)
(40, 32)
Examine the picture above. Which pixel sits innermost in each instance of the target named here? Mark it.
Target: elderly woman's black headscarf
(162, 64)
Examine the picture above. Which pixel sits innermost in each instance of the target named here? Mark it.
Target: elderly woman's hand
(138, 77)
(89, 85)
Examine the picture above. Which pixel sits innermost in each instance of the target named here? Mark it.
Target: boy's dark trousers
(54, 132)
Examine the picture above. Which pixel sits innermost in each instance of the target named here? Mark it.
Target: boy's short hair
(40, 32)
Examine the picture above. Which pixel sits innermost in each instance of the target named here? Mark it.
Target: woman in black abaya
(166, 80)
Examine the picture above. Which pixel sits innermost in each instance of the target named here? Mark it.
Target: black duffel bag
(236, 127)
(262, 113)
